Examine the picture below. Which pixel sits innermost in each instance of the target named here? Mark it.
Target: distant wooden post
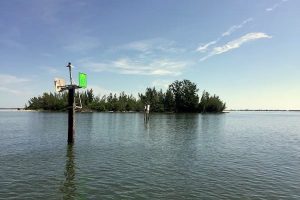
(71, 117)
(146, 113)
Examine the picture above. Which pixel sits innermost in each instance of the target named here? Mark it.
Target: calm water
(239, 155)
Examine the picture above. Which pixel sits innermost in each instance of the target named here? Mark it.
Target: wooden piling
(71, 117)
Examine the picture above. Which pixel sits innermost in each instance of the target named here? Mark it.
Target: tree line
(181, 96)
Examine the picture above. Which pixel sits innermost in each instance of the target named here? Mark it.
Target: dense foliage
(185, 96)
(181, 96)
(211, 103)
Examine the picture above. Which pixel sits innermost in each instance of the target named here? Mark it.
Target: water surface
(239, 155)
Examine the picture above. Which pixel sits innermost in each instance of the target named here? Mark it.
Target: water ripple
(117, 156)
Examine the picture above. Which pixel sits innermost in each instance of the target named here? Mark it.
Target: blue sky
(244, 51)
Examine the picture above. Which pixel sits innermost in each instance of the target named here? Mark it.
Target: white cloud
(144, 57)
(276, 5)
(273, 7)
(152, 45)
(236, 27)
(9, 79)
(236, 44)
(232, 29)
(204, 48)
(158, 67)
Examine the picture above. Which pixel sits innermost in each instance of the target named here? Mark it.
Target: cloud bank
(158, 67)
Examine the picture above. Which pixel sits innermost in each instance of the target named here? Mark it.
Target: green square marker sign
(82, 80)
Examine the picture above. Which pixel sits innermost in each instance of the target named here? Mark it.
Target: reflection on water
(213, 122)
(69, 185)
(173, 156)
(147, 126)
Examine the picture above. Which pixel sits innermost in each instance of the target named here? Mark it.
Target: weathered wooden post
(60, 86)
(146, 112)
(71, 107)
(71, 115)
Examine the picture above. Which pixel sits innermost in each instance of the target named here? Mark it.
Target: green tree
(169, 101)
(185, 95)
(90, 96)
(211, 103)
(180, 97)
(151, 97)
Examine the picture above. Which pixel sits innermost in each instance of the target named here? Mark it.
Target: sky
(246, 52)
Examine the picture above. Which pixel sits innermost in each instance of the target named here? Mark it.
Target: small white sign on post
(59, 83)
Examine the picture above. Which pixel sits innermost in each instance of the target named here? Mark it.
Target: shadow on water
(68, 188)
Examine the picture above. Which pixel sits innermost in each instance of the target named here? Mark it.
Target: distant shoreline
(19, 109)
(262, 110)
(93, 111)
